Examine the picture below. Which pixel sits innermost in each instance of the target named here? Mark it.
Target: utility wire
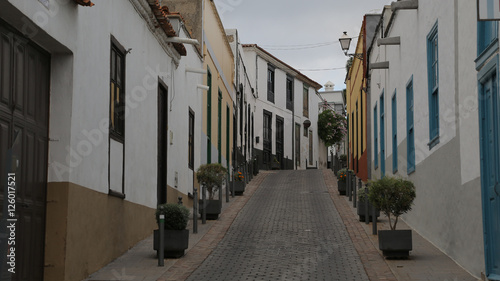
(321, 69)
(300, 46)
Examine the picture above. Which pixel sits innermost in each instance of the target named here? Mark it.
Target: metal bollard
(374, 216)
(228, 184)
(195, 211)
(232, 186)
(354, 189)
(204, 203)
(348, 182)
(220, 193)
(246, 172)
(367, 211)
(161, 254)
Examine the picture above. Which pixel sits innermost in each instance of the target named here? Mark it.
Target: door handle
(495, 189)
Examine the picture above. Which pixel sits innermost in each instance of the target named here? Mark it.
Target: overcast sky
(289, 29)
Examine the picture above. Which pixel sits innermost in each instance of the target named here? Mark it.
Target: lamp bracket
(359, 56)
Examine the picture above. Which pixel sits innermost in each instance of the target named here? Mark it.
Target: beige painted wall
(219, 59)
(87, 229)
(216, 35)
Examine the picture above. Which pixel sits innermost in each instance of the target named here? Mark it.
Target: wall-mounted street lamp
(345, 41)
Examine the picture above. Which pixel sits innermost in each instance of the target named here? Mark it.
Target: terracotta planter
(175, 242)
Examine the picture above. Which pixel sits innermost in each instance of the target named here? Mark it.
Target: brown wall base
(85, 230)
(173, 195)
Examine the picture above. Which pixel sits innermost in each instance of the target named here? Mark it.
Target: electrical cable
(292, 47)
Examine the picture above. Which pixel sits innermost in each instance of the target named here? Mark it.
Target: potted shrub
(362, 197)
(275, 165)
(211, 176)
(393, 197)
(342, 181)
(238, 183)
(175, 235)
(343, 160)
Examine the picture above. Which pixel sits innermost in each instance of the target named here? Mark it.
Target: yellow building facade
(218, 99)
(356, 109)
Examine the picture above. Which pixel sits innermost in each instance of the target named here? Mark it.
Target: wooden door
(24, 116)
(162, 144)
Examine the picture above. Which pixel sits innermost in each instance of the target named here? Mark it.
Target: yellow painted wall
(219, 59)
(355, 83)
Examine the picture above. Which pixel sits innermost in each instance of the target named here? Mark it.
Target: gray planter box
(238, 187)
(342, 187)
(362, 212)
(275, 166)
(175, 242)
(395, 243)
(214, 208)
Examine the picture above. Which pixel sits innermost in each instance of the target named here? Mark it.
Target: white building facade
(245, 105)
(285, 113)
(424, 121)
(114, 100)
(334, 100)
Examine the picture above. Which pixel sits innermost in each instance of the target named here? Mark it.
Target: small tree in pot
(343, 160)
(175, 236)
(211, 176)
(393, 197)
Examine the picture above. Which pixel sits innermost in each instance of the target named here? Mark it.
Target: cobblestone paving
(288, 230)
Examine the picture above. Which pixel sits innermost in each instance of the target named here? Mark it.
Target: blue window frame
(487, 32)
(394, 133)
(382, 135)
(433, 84)
(410, 130)
(375, 135)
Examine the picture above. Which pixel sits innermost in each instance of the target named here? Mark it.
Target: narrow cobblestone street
(288, 225)
(289, 230)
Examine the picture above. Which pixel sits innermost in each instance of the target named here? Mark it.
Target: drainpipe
(294, 163)
(257, 73)
(368, 126)
(237, 90)
(202, 28)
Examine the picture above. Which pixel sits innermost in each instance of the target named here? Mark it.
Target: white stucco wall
(447, 175)
(467, 93)
(259, 63)
(242, 77)
(79, 121)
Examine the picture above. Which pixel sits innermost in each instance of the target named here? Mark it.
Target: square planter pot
(395, 243)
(213, 208)
(238, 187)
(275, 166)
(342, 187)
(175, 242)
(362, 212)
